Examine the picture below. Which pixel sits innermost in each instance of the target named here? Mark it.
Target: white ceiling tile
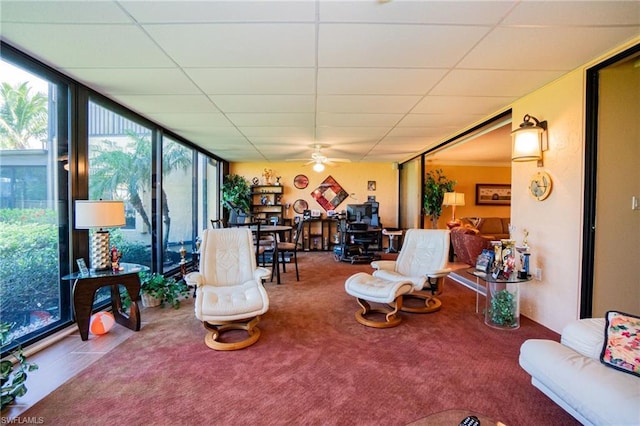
(366, 104)
(345, 134)
(461, 104)
(358, 120)
(136, 81)
(264, 103)
(225, 133)
(397, 46)
(254, 81)
(221, 11)
(189, 119)
(426, 12)
(269, 120)
(87, 12)
(302, 133)
(167, 103)
(86, 46)
(493, 82)
(541, 49)
(377, 81)
(237, 45)
(453, 121)
(579, 13)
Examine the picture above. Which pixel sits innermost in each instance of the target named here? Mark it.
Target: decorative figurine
(115, 259)
(268, 173)
(278, 180)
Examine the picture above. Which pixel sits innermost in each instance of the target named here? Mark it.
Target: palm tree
(23, 117)
(129, 170)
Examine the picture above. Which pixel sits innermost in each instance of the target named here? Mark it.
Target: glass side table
(84, 291)
(502, 309)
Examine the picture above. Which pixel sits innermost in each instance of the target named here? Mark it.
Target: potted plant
(156, 290)
(13, 377)
(236, 195)
(435, 185)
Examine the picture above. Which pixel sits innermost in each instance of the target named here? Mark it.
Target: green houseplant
(13, 379)
(435, 185)
(503, 309)
(157, 290)
(236, 192)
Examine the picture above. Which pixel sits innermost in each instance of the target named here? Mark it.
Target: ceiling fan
(319, 161)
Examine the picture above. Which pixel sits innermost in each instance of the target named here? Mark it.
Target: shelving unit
(266, 201)
(319, 234)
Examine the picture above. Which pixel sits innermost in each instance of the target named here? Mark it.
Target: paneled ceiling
(266, 80)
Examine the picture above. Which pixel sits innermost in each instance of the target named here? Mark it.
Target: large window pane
(33, 183)
(177, 203)
(120, 169)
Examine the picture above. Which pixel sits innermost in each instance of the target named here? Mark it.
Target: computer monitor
(356, 213)
(364, 213)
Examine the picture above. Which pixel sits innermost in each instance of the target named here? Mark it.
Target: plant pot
(149, 301)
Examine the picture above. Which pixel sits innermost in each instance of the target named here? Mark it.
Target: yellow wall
(353, 177)
(555, 224)
(466, 178)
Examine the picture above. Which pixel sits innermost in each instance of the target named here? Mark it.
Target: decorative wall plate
(300, 181)
(300, 206)
(540, 185)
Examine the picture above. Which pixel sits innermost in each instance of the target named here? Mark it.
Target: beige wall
(353, 177)
(555, 224)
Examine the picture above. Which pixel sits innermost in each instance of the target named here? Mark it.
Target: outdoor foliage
(23, 116)
(28, 263)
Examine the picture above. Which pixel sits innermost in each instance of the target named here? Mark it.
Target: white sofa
(570, 373)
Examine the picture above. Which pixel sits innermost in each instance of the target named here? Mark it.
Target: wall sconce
(99, 214)
(318, 166)
(529, 140)
(453, 199)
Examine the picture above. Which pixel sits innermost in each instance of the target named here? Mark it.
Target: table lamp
(99, 214)
(453, 199)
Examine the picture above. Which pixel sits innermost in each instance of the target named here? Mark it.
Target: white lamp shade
(527, 144)
(453, 199)
(99, 214)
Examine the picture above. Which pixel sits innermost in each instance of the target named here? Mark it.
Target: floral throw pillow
(621, 348)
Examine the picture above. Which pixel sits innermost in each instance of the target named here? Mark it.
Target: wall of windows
(75, 144)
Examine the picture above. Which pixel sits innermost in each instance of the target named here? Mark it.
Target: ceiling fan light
(318, 167)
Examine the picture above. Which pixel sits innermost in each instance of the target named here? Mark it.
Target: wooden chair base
(390, 314)
(430, 303)
(212, 339)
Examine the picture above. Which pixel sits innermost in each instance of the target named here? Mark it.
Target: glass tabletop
(125, 268)
(513, 278)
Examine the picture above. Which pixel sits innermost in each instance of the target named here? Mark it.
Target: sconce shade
(527, 140)
(99, 214)
(318, 167)
(453, 199)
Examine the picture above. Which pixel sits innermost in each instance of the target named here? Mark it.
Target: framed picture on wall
(493, 194)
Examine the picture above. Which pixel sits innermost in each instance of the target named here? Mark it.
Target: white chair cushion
(600, 394)
(231, 303)
(585, 336)
(372, 289)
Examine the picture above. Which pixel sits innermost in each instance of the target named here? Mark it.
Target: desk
(502, 309)
(84, 291)
(280, 230)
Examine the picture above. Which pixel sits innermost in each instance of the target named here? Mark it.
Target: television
(364, 213)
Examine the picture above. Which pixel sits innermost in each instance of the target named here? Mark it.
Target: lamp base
(100, 259)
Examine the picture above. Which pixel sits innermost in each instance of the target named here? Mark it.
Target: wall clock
(300, 181)
(540, 185)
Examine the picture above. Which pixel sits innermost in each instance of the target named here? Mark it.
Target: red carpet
(314, 365)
